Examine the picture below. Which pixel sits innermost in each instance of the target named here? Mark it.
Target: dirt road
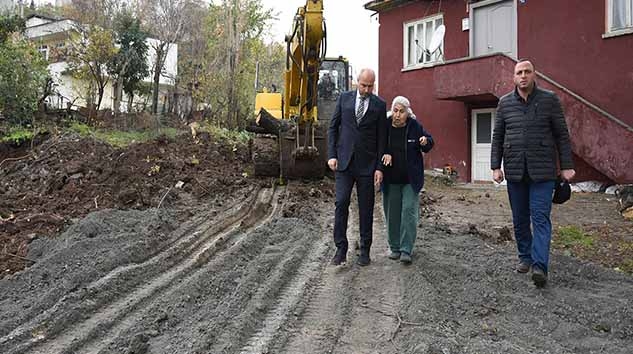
(248, 273)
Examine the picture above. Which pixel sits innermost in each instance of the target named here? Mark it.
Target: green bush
(120, 138)
(23, 74)
(17, 136)
(81, 129)
(236, 137)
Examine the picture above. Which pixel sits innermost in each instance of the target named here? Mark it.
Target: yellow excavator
(291, 127)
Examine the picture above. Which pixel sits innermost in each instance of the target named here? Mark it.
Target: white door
(494, 28)
(481, 137)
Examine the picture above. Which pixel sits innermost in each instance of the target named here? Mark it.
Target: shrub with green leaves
(23, 73)
(17, 136)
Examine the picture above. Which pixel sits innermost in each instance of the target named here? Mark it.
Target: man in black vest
(356, 141)
(529, 134)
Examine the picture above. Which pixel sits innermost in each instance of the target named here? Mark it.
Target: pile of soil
(65, 177)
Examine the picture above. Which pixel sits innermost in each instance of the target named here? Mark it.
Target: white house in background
(52, 36)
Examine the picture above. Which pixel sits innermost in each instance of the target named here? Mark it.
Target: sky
(351, 30)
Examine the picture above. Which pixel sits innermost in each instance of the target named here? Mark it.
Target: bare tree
(165, 20)
(99, 13)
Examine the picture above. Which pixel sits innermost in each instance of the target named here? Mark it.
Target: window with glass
(43, 49)
(332, 79)
(417, 38)
(620, 14)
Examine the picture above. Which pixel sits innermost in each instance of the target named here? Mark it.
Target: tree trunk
(233, 62)
(118, 87)
(158, 68)
(101, 90)
(118, 95)
(130, 102)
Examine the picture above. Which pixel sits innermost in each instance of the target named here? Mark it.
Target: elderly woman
(403, 177)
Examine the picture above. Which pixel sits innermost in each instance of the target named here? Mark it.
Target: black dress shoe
(523, 267)
(363, 259)
(340, 257)
(539, 277)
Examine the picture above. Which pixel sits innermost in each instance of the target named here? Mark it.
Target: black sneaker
(539, 277)
(363, 259)
(339, 258)
(523, 267)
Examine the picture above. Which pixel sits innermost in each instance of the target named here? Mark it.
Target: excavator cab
(334, 79)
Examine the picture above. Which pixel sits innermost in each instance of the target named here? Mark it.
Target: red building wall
(564, 39)
(447, 121)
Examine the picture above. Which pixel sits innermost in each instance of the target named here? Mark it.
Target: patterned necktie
(361, 110)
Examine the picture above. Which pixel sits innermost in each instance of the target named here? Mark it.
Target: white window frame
(43, 49)
(628, 19)
(426, 61)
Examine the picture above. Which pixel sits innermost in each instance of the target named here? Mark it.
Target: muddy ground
(102, 253)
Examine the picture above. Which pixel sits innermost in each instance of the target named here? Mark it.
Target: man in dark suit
(356, 141)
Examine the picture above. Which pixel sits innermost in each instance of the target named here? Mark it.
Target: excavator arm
(305, 49)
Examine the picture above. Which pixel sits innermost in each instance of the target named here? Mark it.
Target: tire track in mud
(260, 212)
(293, 293)
(345, 311)
(239, 302)
(327, 306)
(125, 278)
(182, 258)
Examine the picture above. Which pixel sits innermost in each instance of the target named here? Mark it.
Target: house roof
(384, 5)
(46, 17)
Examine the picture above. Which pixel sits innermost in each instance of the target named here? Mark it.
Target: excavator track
(266, 155)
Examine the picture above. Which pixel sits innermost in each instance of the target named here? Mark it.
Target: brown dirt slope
(66, 177)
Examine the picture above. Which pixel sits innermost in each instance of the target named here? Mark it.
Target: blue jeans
(531, 204)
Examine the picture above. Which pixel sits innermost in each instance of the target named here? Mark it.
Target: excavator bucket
(276, 153)
(304, 162)
(278, 156)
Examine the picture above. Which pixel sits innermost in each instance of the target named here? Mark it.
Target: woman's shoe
(405, 258)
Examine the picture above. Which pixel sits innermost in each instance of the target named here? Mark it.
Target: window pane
(419, 35)
(484, 128)
(410, 46)
(618, 14)
(436, 56)
(428, 36)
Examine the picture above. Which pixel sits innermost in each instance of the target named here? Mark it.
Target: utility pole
(256, 76)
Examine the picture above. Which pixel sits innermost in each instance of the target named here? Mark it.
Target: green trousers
(402, 209)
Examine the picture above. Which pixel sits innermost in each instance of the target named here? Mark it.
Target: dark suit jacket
(364, 142)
